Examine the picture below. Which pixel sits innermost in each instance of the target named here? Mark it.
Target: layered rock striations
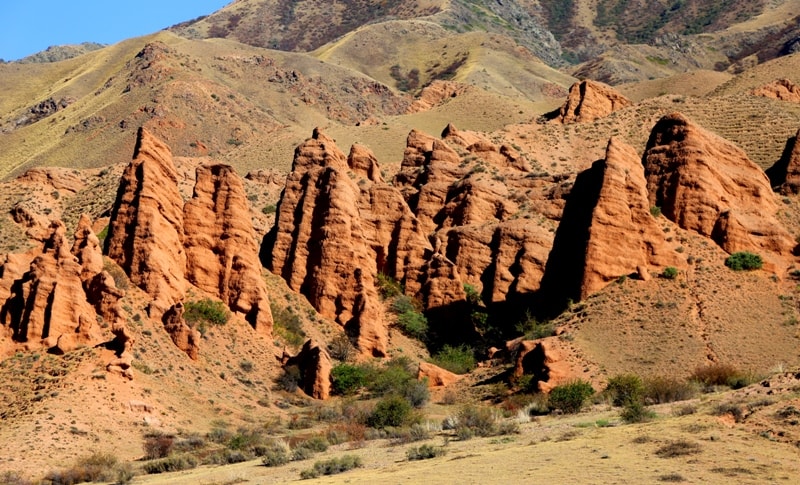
(708, 185)
(46, 306)
(221, 250)
(332, 236)
(145, 233)
(589, 100)
(209, 242)
(624, 238)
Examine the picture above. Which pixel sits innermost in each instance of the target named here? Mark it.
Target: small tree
(744, 261)
(670, 273)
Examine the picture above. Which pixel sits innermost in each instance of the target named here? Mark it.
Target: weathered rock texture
(145, 234)
(624, 238)
(46, 306)
(332, 236)
(781, 89)
(221, 251)
(708, 185)
(543, 360)
(161, 243)
(785, 174)
(436, 376)
(590, 100)
(315, 366)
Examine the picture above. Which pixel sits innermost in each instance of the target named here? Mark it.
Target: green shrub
(655, 211)
(391, 411)
(458, 360)
(475, 421)
(388, 286)
(660, 390)
(348, 378)
(276, 454)
(269, 209)
(94, 468)
(201, 313)
(744, 261)
(624, 389)
(341, 349)
(392, 377)
(413, 324)
(416, 392)
(424, 452)
(670, 273)
(636, 412)
(332, 466)
(534, 329)
(569, 397)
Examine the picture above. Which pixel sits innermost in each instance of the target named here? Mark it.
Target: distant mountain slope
(57, 53)
(306, 25)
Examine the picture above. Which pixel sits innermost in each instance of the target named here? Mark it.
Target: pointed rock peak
(318, 151)
(465, 138)
(364, 163)
(221, 253)
(588, 101)
(449, 130)
(87, 249)
(150, 147)
(785, 174)
(441, 151)
(418, 145)
(145, 233)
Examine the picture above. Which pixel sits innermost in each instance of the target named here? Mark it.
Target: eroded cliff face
(784, 175)
(145, 233)
(46, 305)
(209, 242)
(221, 250)
(708, 185)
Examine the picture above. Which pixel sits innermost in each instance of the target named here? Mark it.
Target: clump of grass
(424, 452)
(170, 464)
(660, 390)
(93, 468)
(722, 375)
(678, 448)
(288, 325)
(670, 273)
(332, 466)
(276, 454)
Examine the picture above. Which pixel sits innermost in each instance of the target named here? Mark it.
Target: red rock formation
(708, 185)
(781, 89)
(87, 249)
(145, 234)
(61, 179)
(315, 367)
(623, 235)
(543, 359)
(319, 245)
(221, 250)
(47, 306)
(363, 163)
(185, 338)
(436, 376)
(590, 100)
(785, 174)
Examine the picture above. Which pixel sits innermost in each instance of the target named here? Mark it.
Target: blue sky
(30, 26)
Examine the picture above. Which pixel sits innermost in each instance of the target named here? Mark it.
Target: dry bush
(678, 448)
(158, 446)
(722, 375)
(660, 390)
